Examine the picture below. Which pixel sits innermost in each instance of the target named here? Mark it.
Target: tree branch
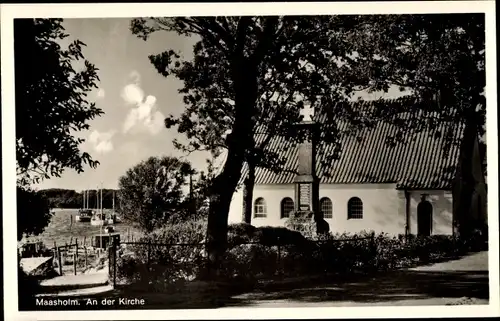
(265, 40)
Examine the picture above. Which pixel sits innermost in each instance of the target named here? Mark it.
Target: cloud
(132, 94)
(104, 147)
(101, 142)
(101, 93)
(143, 116)
(136, 76)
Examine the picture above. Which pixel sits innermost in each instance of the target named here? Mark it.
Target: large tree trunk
(220, 201)
(248, 194)
(245, 73)
(238, 143)
(468, 180)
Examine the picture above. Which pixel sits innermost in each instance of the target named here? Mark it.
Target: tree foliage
(439, 57)
(151, 192)
(51, 106)
(250, 76)
(68, 198)
(33, 212)
(51, 100)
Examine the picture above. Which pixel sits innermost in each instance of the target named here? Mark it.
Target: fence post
(279, 256)
(74, 262)
(374, 249)
(149, 254)
(76, 248)
(114, 247)
(110, 262)
(55, 251)
(59, 260)
(85, 254)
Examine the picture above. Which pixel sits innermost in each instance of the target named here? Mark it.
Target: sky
(135, 99)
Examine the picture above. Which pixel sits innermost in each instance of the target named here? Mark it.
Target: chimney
(306, 181)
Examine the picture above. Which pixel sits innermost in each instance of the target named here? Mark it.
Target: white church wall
(383, 208)
(236, 207)
(273, 195)
(442, 210)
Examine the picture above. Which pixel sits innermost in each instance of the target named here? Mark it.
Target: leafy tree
(151, 191)
(441, 59)
(51, 105)
(33, 212)
(250, 76)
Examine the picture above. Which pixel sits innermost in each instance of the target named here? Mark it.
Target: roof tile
(417, 163)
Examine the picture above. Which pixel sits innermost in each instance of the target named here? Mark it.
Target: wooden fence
(82, 251)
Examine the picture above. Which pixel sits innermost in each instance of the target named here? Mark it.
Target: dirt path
(463, 281)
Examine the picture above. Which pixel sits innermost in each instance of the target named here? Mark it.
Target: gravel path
(474, 262)
(457, 282)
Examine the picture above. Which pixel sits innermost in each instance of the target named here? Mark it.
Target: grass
(63, 228)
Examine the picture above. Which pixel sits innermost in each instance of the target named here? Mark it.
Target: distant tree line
(68, 198)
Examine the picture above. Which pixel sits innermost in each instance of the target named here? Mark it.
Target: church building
(412, 187)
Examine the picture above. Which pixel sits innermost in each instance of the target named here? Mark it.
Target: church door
(424, 217)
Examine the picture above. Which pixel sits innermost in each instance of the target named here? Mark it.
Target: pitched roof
(367, 157)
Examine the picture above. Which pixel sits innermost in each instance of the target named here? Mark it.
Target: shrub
(260, 259)
(262, 252)
(241, 233)
(157, 263)
(396, 252)
(250, 261)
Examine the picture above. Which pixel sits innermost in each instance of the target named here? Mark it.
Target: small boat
(84, 215)
(98, 220)
(113, 218)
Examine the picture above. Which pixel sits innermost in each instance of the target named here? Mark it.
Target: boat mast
(97, 199)
(101, 198)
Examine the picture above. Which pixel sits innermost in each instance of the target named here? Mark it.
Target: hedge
(264, 252)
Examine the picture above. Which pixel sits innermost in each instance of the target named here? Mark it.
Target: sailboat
(112, 217)
(84, 214)
(99, 218)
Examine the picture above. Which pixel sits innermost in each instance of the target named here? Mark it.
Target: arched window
(326, 207)
(287, 206)
(260, 208)
(355, 208)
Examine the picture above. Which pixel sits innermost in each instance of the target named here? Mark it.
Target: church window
(260, 208)
(287, 206)
(355, 208)
(326, 207)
